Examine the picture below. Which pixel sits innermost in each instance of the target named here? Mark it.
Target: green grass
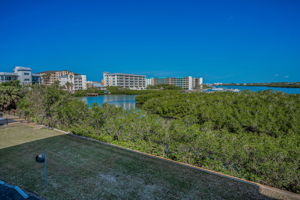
(81, 169)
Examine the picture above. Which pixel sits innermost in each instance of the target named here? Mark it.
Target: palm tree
(9, 97)
(69, 86)
(46, 78)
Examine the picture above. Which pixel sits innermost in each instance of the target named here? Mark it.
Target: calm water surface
(260, 88)
(125, 101)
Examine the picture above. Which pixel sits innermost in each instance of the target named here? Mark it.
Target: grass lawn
(81, 169)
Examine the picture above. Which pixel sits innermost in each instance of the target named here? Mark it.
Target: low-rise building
(23, 74)
(130, 81)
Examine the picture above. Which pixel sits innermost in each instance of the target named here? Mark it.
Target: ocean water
(260, 88)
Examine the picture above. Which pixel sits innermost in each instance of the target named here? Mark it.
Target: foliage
(265, 112)
(117, 90)
(14, 83)
(51, 106)
(88, 91)
(120, 90)
(141, 99)
(164, 87)
(9, 97)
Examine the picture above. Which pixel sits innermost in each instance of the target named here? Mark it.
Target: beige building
(49, 77)
(76, 81)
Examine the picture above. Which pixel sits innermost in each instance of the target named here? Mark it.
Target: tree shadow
(6, 121)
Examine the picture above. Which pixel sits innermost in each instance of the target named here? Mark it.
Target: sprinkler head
(40, 158)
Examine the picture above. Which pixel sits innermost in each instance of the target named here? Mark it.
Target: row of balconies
(132, 82)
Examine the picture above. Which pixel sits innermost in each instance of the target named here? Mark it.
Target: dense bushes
(265, 112)
(141, 99)
(249, 135)
(52, 106)
(10, 93)
(120, 90)
(164, 87)
(125, 91)
(84, 93)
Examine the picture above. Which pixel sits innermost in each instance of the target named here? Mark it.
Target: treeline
(275, 84)
(164, 87)
(10, 93)
(88, 92)
(109, 90)
(249, 135)
(264, 112)
(124, 91)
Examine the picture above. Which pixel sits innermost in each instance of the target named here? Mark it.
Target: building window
(26, 73)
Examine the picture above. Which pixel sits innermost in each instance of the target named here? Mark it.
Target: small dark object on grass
(40, 158)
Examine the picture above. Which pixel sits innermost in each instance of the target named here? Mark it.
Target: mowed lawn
(81, 169)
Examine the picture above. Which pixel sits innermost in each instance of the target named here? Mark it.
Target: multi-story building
(130, 81)
(70, 80)
(80, 82)
(50, 77)
(23, 74)
(73, 82)
(197, 83)
(187, 83)
(149, 81)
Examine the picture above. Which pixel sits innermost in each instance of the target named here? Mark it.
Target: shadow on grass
(81, 169)
(8, 193)
(6, 121)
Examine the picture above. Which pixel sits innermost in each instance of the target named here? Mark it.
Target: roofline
(124, 74)
(9, 73)
(52, 71)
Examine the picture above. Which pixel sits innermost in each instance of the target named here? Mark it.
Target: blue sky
(222, 41)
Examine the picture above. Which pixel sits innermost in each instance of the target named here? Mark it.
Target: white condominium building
(186, 83)
(149, 81)
(23, 74)
(73, 82)
(130, 81)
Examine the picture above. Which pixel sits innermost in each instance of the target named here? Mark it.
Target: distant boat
(233, 90)
(217, 89)
(225, 90)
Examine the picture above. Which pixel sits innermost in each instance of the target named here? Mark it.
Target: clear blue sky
(222, 41)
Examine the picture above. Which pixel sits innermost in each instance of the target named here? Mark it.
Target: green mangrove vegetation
(118, 90)
(252, 135)
(88, 92)
(164, 87)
